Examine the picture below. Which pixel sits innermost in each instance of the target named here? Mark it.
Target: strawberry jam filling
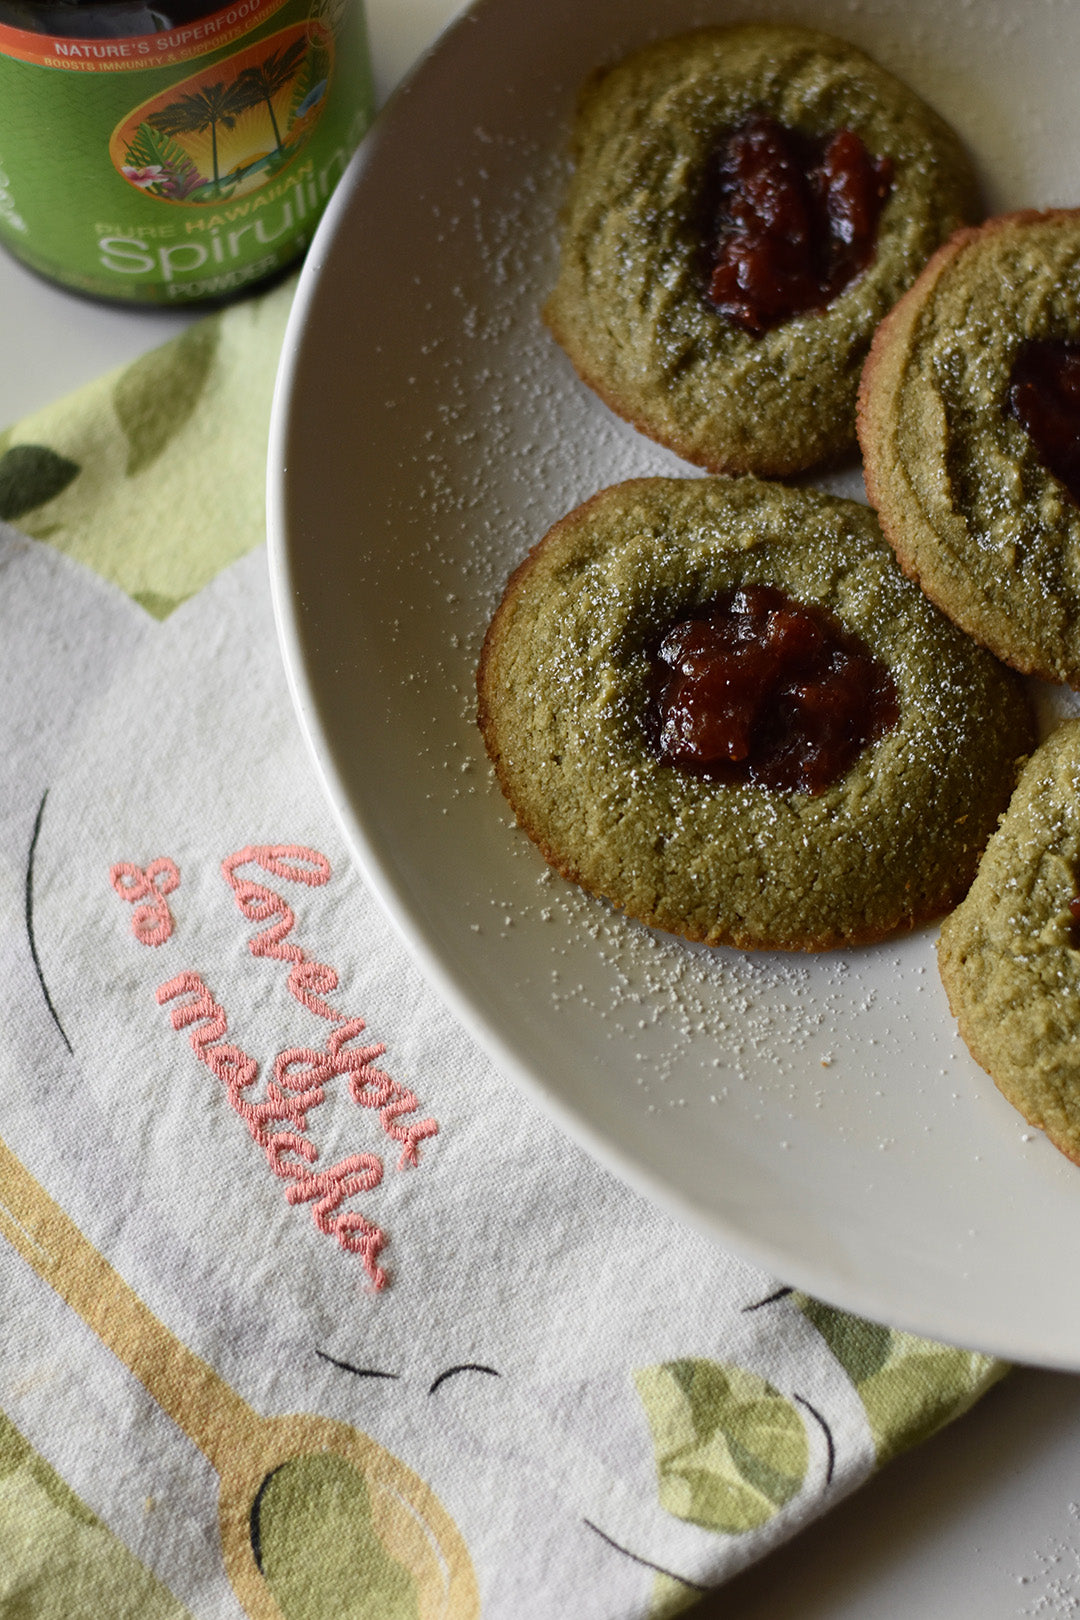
(1044, 397)
(794, 221)
(756, 687)
(1074, 922)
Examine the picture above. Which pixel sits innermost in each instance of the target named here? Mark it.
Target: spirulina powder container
(164, 154)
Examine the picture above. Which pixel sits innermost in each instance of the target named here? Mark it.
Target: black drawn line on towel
(254, 1529)
(829, 1441)
(770, 1299)
(347, 1366)
(30, 922)
(659, 1568)
(465, 1366)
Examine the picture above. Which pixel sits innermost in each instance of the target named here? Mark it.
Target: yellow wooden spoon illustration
(316, 1519)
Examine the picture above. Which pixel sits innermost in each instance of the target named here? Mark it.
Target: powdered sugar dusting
(1053, 1584)
(821, 1104)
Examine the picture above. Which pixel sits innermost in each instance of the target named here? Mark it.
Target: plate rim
(862, 1297)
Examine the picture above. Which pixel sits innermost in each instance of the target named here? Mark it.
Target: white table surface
(982, 1523)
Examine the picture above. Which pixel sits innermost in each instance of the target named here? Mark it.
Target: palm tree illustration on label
(264, 79)
(213, 107)
(230, 128)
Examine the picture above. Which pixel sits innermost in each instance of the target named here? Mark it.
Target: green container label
(182, 165)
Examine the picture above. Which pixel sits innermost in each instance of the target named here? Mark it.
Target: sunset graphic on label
(230, 128)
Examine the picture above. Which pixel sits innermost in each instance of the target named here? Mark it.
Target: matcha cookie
(675, 653)
(1010, 954)
(969, 420)
(729, 324)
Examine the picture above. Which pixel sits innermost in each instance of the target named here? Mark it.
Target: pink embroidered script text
(279, 1123)
(152, 922)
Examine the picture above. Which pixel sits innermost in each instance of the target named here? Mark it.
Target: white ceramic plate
(820, 1115)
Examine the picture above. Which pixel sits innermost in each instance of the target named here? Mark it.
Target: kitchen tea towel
(308, 1311)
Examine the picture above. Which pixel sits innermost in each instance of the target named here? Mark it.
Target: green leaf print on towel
(155, 395)
(730, 1449)
(670, 1597)
(59, 1561)
(30, 475)
(171, 456)
(909, 1387)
